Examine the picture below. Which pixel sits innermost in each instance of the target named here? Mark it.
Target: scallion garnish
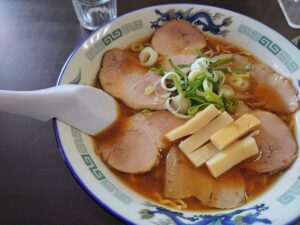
(192, 91)
(158, 70)
(178, 71)
(221, 61)
(199, 53)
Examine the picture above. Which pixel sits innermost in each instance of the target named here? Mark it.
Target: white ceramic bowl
(279, 205)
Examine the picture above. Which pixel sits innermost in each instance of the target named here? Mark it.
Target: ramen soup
(202, 124)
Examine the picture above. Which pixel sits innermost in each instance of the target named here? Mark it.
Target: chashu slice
(265, 82)
(137, 145)
(278, 148)
(183, 180)
(177, 37)
(122, 76)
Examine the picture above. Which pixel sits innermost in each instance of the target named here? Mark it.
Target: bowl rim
(110, 210)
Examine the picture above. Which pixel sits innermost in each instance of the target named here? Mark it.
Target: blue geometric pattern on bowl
(271, 46)
(290, 194)
(209, 22)
(233, 218)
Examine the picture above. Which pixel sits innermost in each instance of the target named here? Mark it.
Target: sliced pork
(266, 82)
(177, 37)
(135, 148)
(183, 180)
(278, 148)
(122, 76)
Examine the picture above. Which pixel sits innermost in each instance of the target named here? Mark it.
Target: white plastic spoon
(86, 108)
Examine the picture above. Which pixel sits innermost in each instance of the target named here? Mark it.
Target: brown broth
(151, 184)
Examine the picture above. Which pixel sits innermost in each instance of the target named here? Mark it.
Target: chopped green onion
(216, 87)
(176, 84)
(196, 75)
(208, 74)
(207, 85)
(196, 99)
(203, 85)
(220, 73)
(199, 53)
(175, 78)
(230, 103)
(212, 60)
(158, 70)
(215, 76)
(192, 111)
(212, 97)
(178, 71)
(181, 66)
(222, 61)
(200, 64)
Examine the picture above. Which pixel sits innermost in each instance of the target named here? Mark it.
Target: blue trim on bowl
(81, 183)
(67, 162)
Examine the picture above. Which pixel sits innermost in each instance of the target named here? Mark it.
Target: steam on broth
(143, 119)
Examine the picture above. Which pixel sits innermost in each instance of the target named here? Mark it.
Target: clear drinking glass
(92, 13)
(291, 9)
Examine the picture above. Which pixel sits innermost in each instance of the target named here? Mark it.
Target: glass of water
(93, 13)
(290, 10)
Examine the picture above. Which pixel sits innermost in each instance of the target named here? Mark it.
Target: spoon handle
(40, 104)
(86, 108)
